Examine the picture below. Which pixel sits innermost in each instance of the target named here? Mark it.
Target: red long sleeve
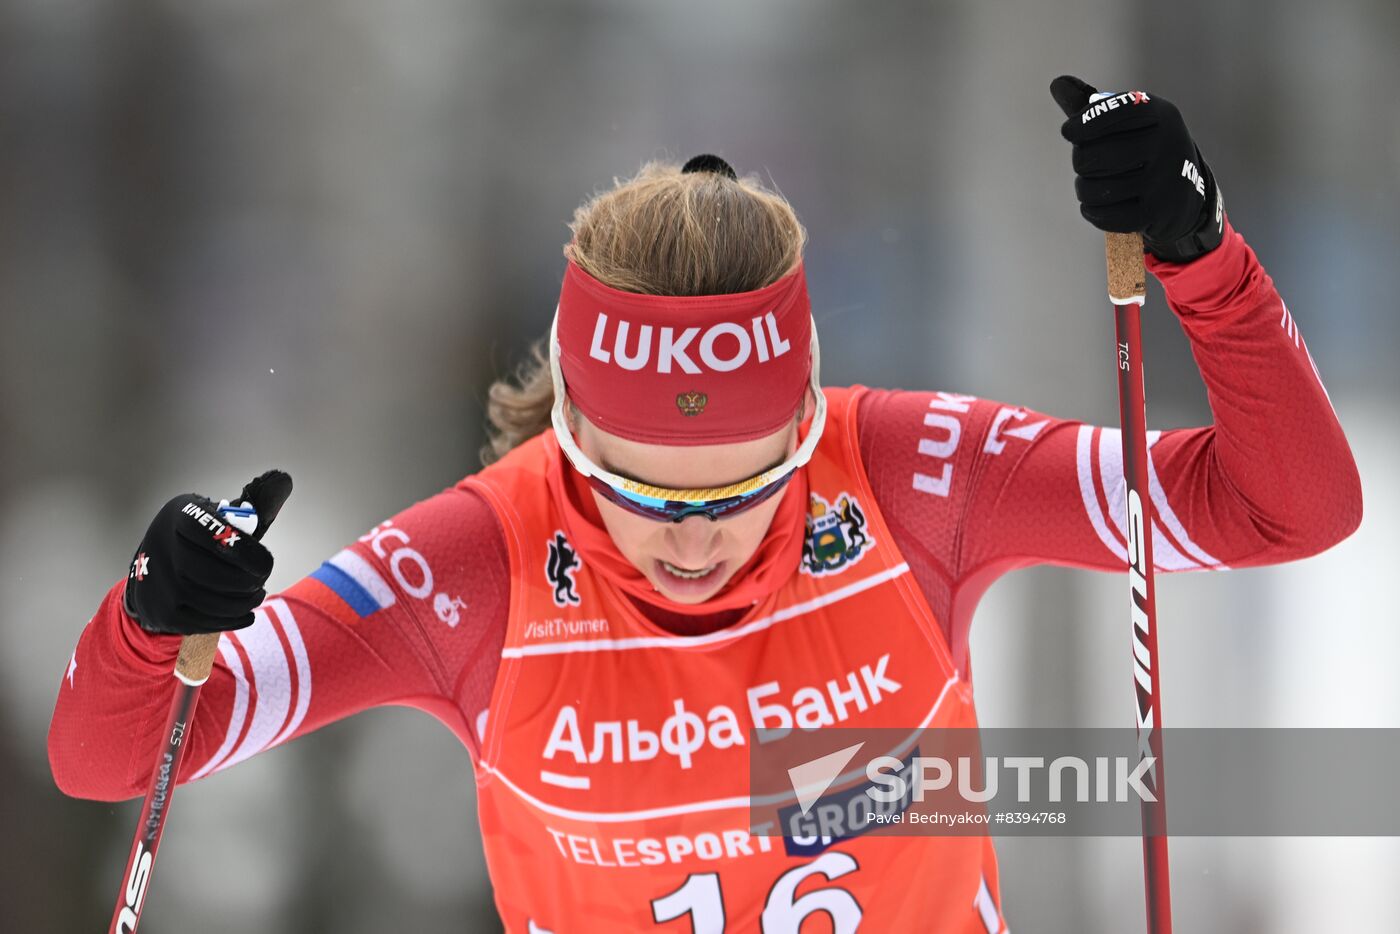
(973, 488)
(413, 614)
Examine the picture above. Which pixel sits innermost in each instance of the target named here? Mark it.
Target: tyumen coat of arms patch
(559, 568)
(836, 535)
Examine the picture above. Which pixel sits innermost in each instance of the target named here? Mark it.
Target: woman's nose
(694, 541)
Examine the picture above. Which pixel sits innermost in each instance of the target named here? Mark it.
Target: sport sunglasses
(665, 509)
(664, 504)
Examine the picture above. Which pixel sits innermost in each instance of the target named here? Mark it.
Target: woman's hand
(1138, 170)
(200, 569)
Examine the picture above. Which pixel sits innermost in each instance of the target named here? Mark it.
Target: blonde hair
(663, 232)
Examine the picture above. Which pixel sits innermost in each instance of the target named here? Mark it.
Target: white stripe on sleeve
(293, 634)
(240, 706)
(272, 678)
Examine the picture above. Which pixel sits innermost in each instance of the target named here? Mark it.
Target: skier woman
(684, 536)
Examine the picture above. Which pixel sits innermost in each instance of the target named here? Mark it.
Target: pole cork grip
(196, 657)
(1127, 278)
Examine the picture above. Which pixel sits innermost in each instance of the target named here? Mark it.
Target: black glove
(196, 570)
(1138, 170)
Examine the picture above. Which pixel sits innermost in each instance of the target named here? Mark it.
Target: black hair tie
(709, 163)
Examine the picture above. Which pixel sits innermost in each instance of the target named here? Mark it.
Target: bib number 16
(783, 912)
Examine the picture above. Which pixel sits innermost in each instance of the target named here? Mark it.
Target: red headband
(709, 369)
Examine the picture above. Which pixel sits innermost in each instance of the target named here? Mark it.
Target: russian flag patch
(356, 584)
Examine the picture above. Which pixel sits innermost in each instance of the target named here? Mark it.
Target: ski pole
(192, 669)
(1127, 288)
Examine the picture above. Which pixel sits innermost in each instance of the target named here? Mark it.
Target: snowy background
(242, 234)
